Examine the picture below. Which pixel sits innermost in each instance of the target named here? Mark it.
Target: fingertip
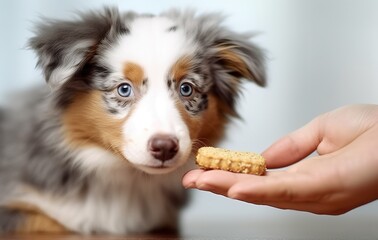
(190, 178)
(276, 155)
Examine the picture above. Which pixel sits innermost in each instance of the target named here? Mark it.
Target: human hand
(342, 177)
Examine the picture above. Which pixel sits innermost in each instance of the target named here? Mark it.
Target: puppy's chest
(136, 205)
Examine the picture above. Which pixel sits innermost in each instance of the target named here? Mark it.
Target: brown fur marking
(86, 122)
(181, 68)
(213, 123)
(134, 73)
(35, 220)
(208, 128)
(233, 61)
(192, 122)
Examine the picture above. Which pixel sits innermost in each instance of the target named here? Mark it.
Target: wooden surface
(284, 226)
(77, 237)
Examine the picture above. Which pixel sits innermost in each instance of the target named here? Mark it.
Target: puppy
(130, 98)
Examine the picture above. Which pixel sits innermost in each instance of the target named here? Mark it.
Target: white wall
(321, 55)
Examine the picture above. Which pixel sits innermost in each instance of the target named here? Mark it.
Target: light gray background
(321, 55)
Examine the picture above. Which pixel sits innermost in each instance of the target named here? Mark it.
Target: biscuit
(223, 159)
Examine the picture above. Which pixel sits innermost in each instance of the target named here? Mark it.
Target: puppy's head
(146, 88)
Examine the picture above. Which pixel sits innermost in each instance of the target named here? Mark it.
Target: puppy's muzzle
(163, 147)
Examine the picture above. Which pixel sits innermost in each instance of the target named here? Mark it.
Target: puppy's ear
(233, 58)
(63, 47)
(240, 58)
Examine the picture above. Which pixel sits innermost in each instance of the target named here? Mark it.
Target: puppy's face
(158, 93)
(149, 87)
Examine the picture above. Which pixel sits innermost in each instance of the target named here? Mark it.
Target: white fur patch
(150, 45)
(95, 159)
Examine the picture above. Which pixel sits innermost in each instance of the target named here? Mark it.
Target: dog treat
(223, 159)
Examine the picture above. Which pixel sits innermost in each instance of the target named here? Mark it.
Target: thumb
(294, 146)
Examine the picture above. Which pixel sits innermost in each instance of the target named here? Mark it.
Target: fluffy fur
(85, 153)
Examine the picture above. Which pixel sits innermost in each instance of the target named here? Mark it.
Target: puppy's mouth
(160, 168)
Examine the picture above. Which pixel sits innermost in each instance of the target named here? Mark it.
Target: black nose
(163, 147)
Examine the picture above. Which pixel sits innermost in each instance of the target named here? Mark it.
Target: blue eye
(124, 90)
(186, 89)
